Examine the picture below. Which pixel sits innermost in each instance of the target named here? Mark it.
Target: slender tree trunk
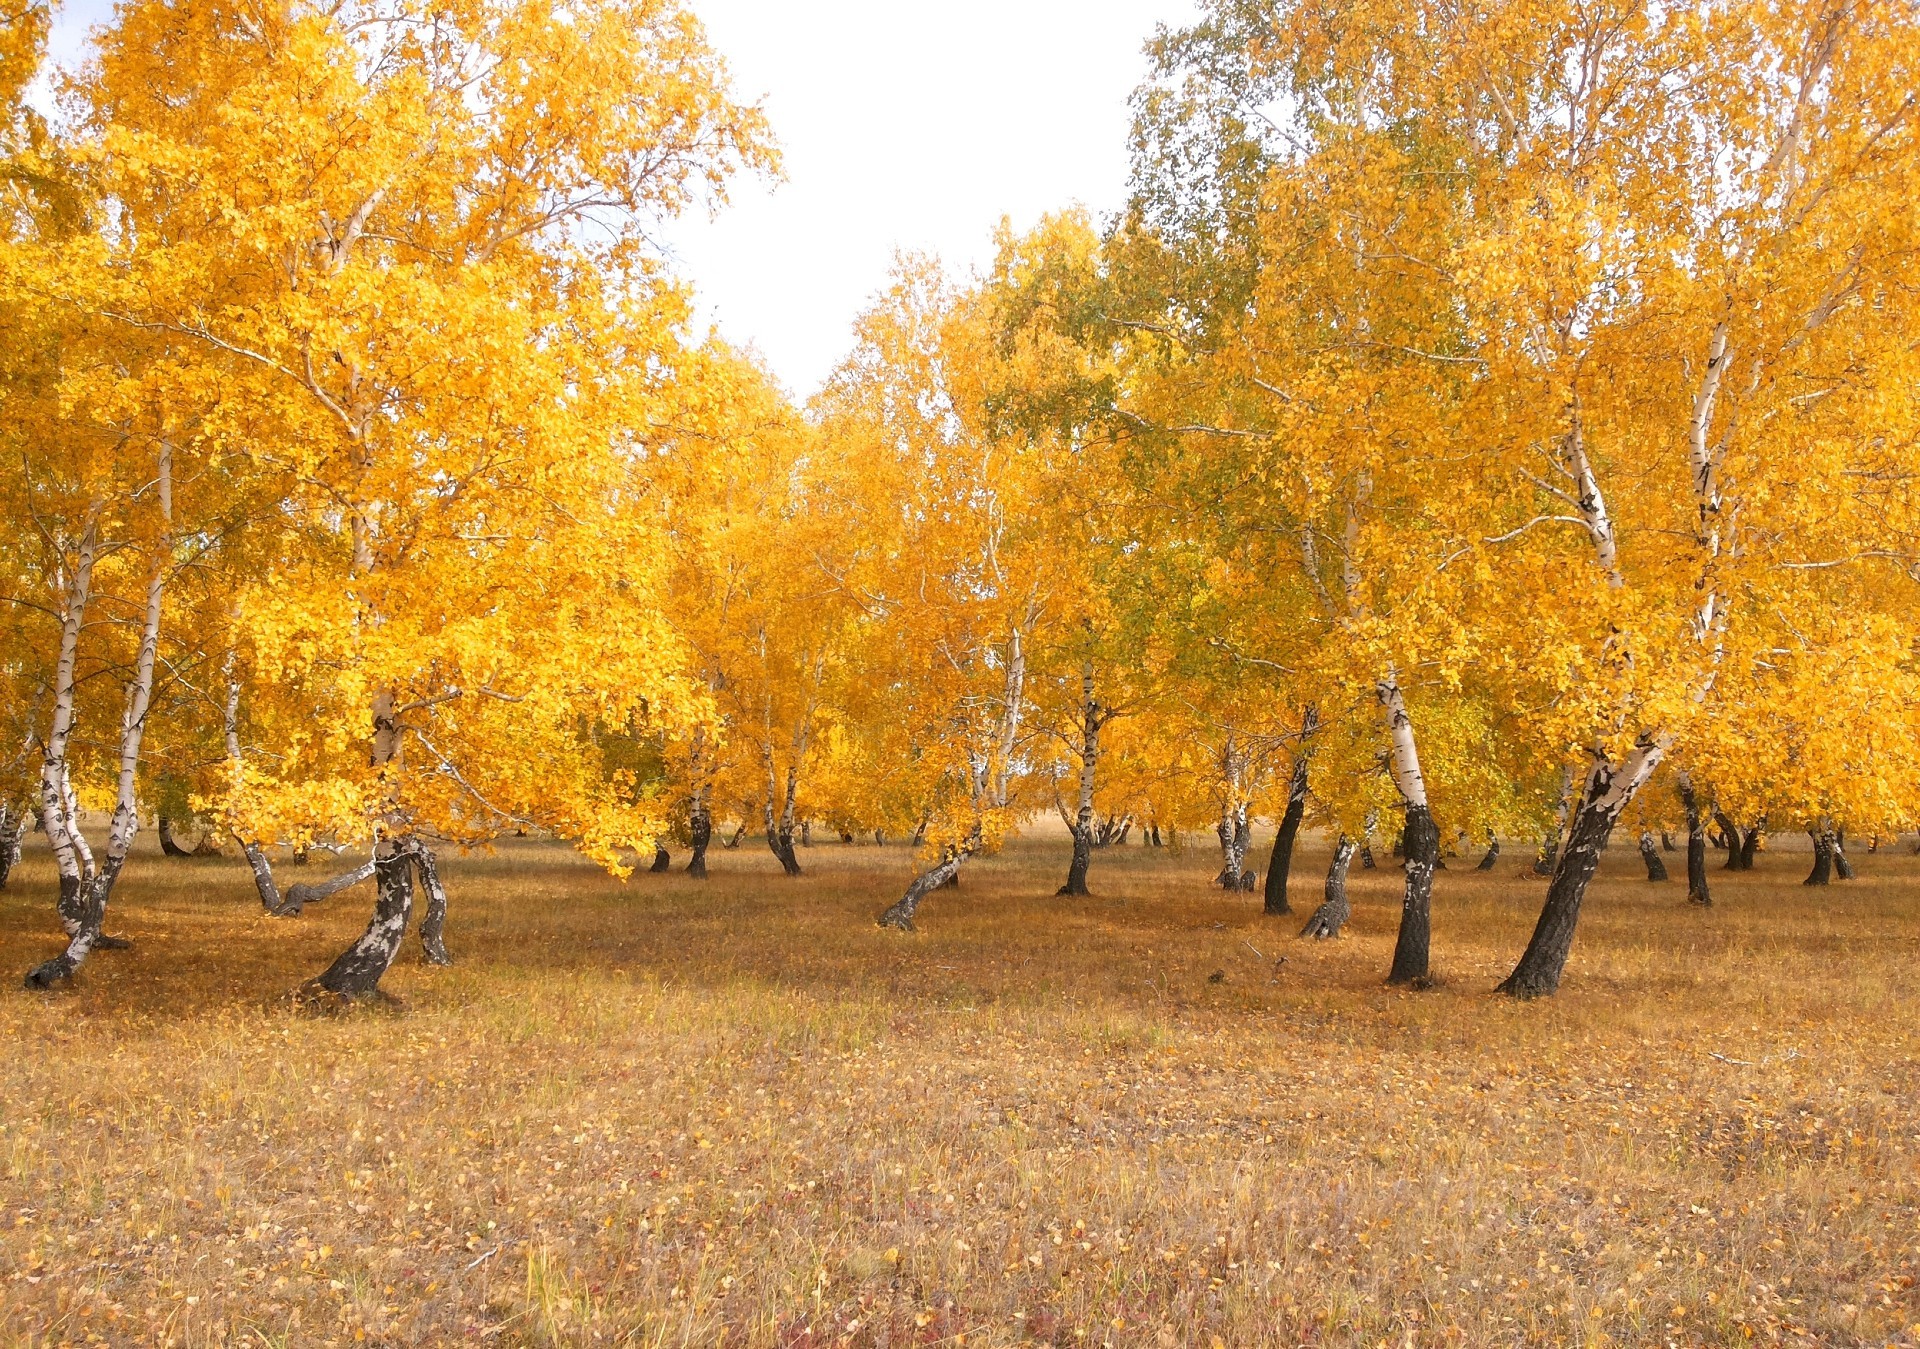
(1842, 868)
(780, 827)
(59, 812)
(357, 972)
(1697, 889)
(1549, 854)
(739, 832)
(1751, 844)
(85, 919)
(662, 859)
(1420, 840)
(257, 861)
(1666, 841)
(1822, 871)
(1334, 910)
(1092, 718)
(13, 825)
(1610, 789)
(168, 846)
(299, 896)
(1280, 862)
(433, 924)
(1371, 823)
(1650, 854)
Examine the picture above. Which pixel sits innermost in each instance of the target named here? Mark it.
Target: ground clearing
(668, 1112)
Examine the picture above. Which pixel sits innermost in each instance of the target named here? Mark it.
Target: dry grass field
(673, 1113)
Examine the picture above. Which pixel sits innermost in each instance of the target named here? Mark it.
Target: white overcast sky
(905, 125)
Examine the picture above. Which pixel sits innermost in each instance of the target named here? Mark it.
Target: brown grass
(686, 1114)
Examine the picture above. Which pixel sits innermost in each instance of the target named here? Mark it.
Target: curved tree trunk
(1751, 844)
(1697, 889)
(1650, 854)
(299, 896)
(662, 859)
(433, 924)
(357, 972)
(1610, 789)
(1334, 910)
(1731, 832)
(1666, 842)
(1280, 862)
(1822, 871)
(164, 827)
(1492, 858)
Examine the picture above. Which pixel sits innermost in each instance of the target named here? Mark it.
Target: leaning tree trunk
(1492, 858)
(1650, 854)
(1609, 790)
(164, 827)
(780, 827)
(1280, 862)
(1822, 871)
(1334, 910)
(299, 896)
(662, 859)
(944, 872)
(1697, 889)
(358, 970)
(433, 925)
(1751, 844)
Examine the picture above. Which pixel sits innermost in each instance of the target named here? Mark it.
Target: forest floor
(674, 1113)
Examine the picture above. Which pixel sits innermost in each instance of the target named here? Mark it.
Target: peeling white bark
(1404, 761)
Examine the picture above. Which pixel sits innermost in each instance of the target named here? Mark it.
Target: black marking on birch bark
(357, 971)
(1280, 862)
(433, 924)
(1334, 909)
(1650, 854)
(1421, 842)
(662, 859)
